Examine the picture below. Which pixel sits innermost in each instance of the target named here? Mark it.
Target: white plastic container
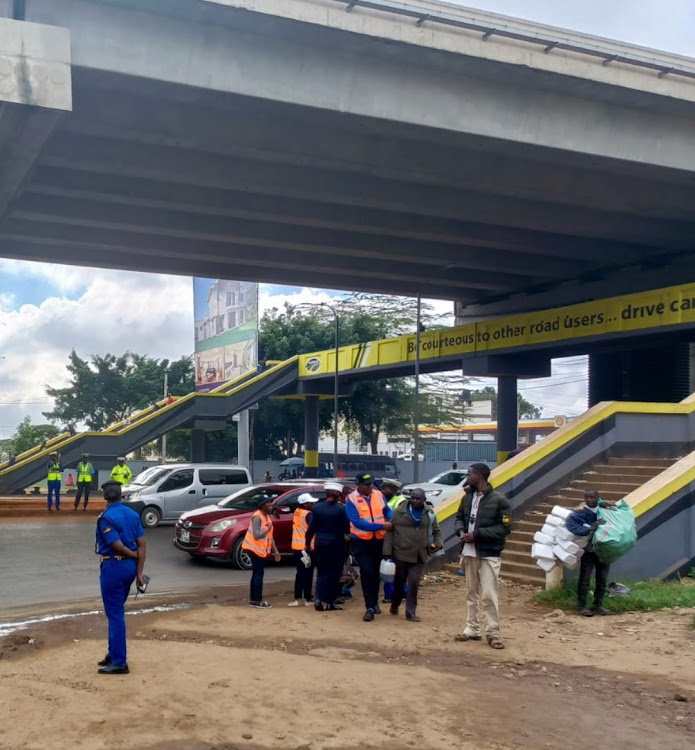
(564, 533)
(549, 530)
(542, 538)
(568, 546)
(561, 512)
(552, 520)
(387, 571)
(578, 554)
(567, 559)
(542, 551)
(546, 565)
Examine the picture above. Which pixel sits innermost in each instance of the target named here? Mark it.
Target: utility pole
(164, 437)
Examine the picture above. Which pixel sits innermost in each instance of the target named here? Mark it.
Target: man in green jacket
(85, 472)
(410, 543)
(483, 521)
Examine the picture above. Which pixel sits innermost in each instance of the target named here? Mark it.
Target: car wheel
(240, 557)
(150, 517)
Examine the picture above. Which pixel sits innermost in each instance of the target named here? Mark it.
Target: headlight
(434, 493)
(222, 525)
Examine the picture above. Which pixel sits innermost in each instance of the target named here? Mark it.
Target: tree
(527, 410)
(104, 390)
(28, 436)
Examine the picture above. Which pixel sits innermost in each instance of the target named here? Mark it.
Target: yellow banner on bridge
(656, 308)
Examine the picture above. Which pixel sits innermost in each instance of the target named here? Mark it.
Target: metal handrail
(422, 17)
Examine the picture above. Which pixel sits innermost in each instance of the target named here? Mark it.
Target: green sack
(617, 536)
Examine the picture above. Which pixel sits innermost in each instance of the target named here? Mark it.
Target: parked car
(217, 531)
(162, 493)
(442, 486)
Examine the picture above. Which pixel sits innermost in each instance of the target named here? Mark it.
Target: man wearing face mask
(410, 546)
(328, 528)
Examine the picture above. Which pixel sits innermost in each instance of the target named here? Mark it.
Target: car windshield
(450, 478)
(247, 499)
(150, 476)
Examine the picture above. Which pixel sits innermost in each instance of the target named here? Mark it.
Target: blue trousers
(329, 567)
(367, 553)
(257, 571)
(116, 578)
(53, 490)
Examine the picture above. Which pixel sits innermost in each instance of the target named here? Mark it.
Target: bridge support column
(311, 436)
(197, 446)
(507, 416)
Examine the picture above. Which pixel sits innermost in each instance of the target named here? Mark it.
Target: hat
(262, 500)
(364, 479)
(53, 453)
(86, 455)
(334, 486)
(305, 497)
(120, 458)
(398, 486)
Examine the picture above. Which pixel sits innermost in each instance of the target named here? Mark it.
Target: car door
(221, 482)
(283, 516)
(178, 493)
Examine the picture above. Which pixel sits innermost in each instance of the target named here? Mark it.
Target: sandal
(494, 641)
(466, 637)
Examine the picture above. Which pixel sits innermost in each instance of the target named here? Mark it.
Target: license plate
(185, 537)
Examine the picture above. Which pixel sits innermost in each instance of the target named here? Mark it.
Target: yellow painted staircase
(613, 478)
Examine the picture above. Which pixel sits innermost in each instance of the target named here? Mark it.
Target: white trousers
(482, 578)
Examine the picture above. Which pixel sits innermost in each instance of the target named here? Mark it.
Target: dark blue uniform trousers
(53, 492)
(329, 561)
(116, 578)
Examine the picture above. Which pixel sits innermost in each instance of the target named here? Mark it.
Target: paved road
(43, 562)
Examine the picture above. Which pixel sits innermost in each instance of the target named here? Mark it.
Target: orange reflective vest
(371, 510)
(300, 526)
(261, 547)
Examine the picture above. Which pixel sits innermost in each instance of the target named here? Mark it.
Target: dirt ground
(222, 676)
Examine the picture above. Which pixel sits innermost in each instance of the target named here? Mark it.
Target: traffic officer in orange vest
(304, 577)
(370, 519)
(260, 544)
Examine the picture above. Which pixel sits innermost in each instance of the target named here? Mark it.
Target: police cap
(364, 479)
(393, 483)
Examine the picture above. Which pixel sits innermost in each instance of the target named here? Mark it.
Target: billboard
(226, 330)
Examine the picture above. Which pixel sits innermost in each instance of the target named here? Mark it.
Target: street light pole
(164, 436)
(416, 415)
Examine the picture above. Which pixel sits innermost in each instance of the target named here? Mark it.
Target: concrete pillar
(507, 416)
(311, 436)
(198, 446)
(243, 438)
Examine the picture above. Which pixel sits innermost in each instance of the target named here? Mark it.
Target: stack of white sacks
(554, 544)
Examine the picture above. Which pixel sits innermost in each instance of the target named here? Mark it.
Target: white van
(162, 493)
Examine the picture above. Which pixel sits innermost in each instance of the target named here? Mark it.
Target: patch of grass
(644, 596)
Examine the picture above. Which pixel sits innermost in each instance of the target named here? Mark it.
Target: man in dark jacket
(482, 523)
(410, 546)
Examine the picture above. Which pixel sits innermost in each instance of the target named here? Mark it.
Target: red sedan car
(218, 530)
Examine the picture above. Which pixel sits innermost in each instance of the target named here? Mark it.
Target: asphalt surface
(52, 561)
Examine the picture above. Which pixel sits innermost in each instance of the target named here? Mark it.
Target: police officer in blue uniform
(120, 541)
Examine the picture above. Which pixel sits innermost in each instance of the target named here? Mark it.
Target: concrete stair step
(618, 461)
(562, 500)
(578, 495)
(514, 545)
(633, 471)
(527, 526)
(625, 487)
(528, 569)
(514, 556)
(522, 578)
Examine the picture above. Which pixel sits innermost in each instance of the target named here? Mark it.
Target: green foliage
(644, 596)
(28, 435)
(527, 410)
(107, 389)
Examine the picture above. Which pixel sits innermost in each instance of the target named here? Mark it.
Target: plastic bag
(387, 571)
(617, 536)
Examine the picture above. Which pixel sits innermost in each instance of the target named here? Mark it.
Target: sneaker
(386, 601)
(377, 610)
(585, 612)
(334, 608)
(602, 611)
(260, 605)
(307, 603)
(412, 618)
(295, 603)
(318, 606)
(368, 615)
(393, 609)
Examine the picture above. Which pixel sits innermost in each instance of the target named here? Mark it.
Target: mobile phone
(143, 588)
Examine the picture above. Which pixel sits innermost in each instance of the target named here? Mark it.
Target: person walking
(483, 522)
(370, 519)
(328, 528)
(408, 543)
(304, 575)
(260, 544)
(85, 472)
(120, 540)
(267, 477)
(121, 472)
(54, 476)
(584, 522)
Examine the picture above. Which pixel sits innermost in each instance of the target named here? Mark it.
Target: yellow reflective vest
(121, 474)
(55, 472)
(84, 471)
